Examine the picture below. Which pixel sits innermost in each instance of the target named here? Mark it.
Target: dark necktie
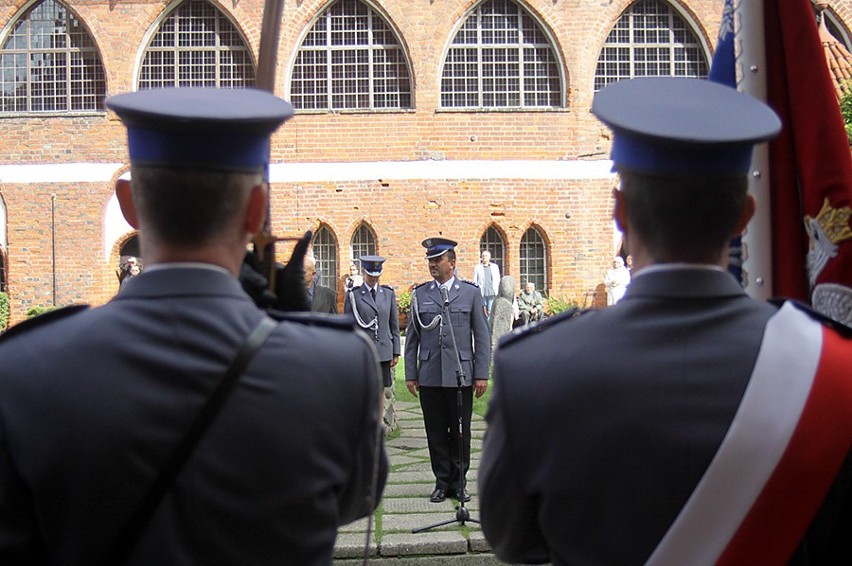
(373, 292)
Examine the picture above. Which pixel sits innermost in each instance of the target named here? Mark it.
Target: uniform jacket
(429, 354)
(92, 404)
(325, 300)
(600, 426)
(387, 311)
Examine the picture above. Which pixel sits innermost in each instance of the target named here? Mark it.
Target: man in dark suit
(376, 312)
(681, 425)
(94, 401)
(322, 299)
(447, 332)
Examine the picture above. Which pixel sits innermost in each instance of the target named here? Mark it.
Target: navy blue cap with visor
(678, 126)
(436, 247)
(372, 264)
(205, 128)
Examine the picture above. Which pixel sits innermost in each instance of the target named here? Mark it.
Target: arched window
(501, 58)
(363, 242)
(325, 251)
(650, 39)
(836, 29)
(350, 59)
(492, 241)
(49, 63)
(533, 254)
(196, 45)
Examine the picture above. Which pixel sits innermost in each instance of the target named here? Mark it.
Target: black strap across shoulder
(145, 510)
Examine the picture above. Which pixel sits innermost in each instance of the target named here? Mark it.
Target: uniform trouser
(441, 419)
(387, 373)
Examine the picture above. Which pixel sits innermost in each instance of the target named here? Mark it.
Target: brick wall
(401, 212)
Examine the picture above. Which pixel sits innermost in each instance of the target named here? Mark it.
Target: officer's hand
(394, 360)
(413, 386)
(254, 283)
(290, 279)
(480, 386)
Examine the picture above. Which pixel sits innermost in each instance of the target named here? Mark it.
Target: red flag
(810, 166)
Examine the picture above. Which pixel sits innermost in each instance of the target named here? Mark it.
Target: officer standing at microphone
(447, 329)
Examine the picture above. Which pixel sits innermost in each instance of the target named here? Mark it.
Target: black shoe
(461, 495)
(438, 495)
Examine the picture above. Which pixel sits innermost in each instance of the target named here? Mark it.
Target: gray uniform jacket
(600, 426)
(429, 354)
(91, 404)
(385, 308)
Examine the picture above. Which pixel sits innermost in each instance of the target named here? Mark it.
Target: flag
(810, 166)
(723, 70)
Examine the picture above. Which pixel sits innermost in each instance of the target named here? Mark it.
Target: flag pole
(751, 79)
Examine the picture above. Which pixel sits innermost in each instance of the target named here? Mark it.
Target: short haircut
(451, 255)
(190, 207)
(686, 219)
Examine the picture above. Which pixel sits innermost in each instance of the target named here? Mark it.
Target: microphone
(445, 296)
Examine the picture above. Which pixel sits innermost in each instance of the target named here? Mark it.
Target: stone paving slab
(408, 443)
(436, 542)
(356, 526)
(408, 522)
(351, 545)
(408, 489)
(412, 477)
(402, 460)
(413, 505)
(437, 560)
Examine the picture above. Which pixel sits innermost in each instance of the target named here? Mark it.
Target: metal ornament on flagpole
(750, 49)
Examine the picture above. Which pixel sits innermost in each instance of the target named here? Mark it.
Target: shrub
(37, 310)
(4, 311)
(556, 305)
(403, 300)
(846, 110)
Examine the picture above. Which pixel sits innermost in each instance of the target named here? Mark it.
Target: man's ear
(125, 202)
(746, 214)
(256, 211)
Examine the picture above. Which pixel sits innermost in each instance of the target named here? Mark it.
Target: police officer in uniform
(94, 401)
(689, 438)
(376, 312)
(447, 329)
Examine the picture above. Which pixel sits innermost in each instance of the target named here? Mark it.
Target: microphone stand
(462, 514)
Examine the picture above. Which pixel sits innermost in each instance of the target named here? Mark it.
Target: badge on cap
(205, 128)
(372, 264)
(678, 126)
(436, 247)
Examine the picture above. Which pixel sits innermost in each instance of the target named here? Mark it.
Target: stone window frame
(502, 57)
(351, 58)
(66, 54)
(192, 37)
(651, 38)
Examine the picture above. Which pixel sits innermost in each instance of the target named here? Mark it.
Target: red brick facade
(57, 245)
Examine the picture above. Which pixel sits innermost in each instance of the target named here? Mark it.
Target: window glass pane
(49, 63)
(500, 58)
(650, 39)
(363, 242)
(324, 245)
(196, 45)
(350, 59)
(492, 242)
(533, 256)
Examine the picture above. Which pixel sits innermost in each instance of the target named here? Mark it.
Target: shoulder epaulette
(471, 283)
(387, 287)
(422, 284)
(843, 329)
(42, 319)
(339, 321)
(540, 326)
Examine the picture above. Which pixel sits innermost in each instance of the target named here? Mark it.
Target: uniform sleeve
(412, 343)
(366, 483)
(509, 517)
(481, 338)
(347, 305)
(394, 323)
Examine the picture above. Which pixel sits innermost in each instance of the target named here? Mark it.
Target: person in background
(530, 304)
(688, 423)
(322, 299)
(616, 281)
(354, 279)
(94, 402)
(487, 276)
